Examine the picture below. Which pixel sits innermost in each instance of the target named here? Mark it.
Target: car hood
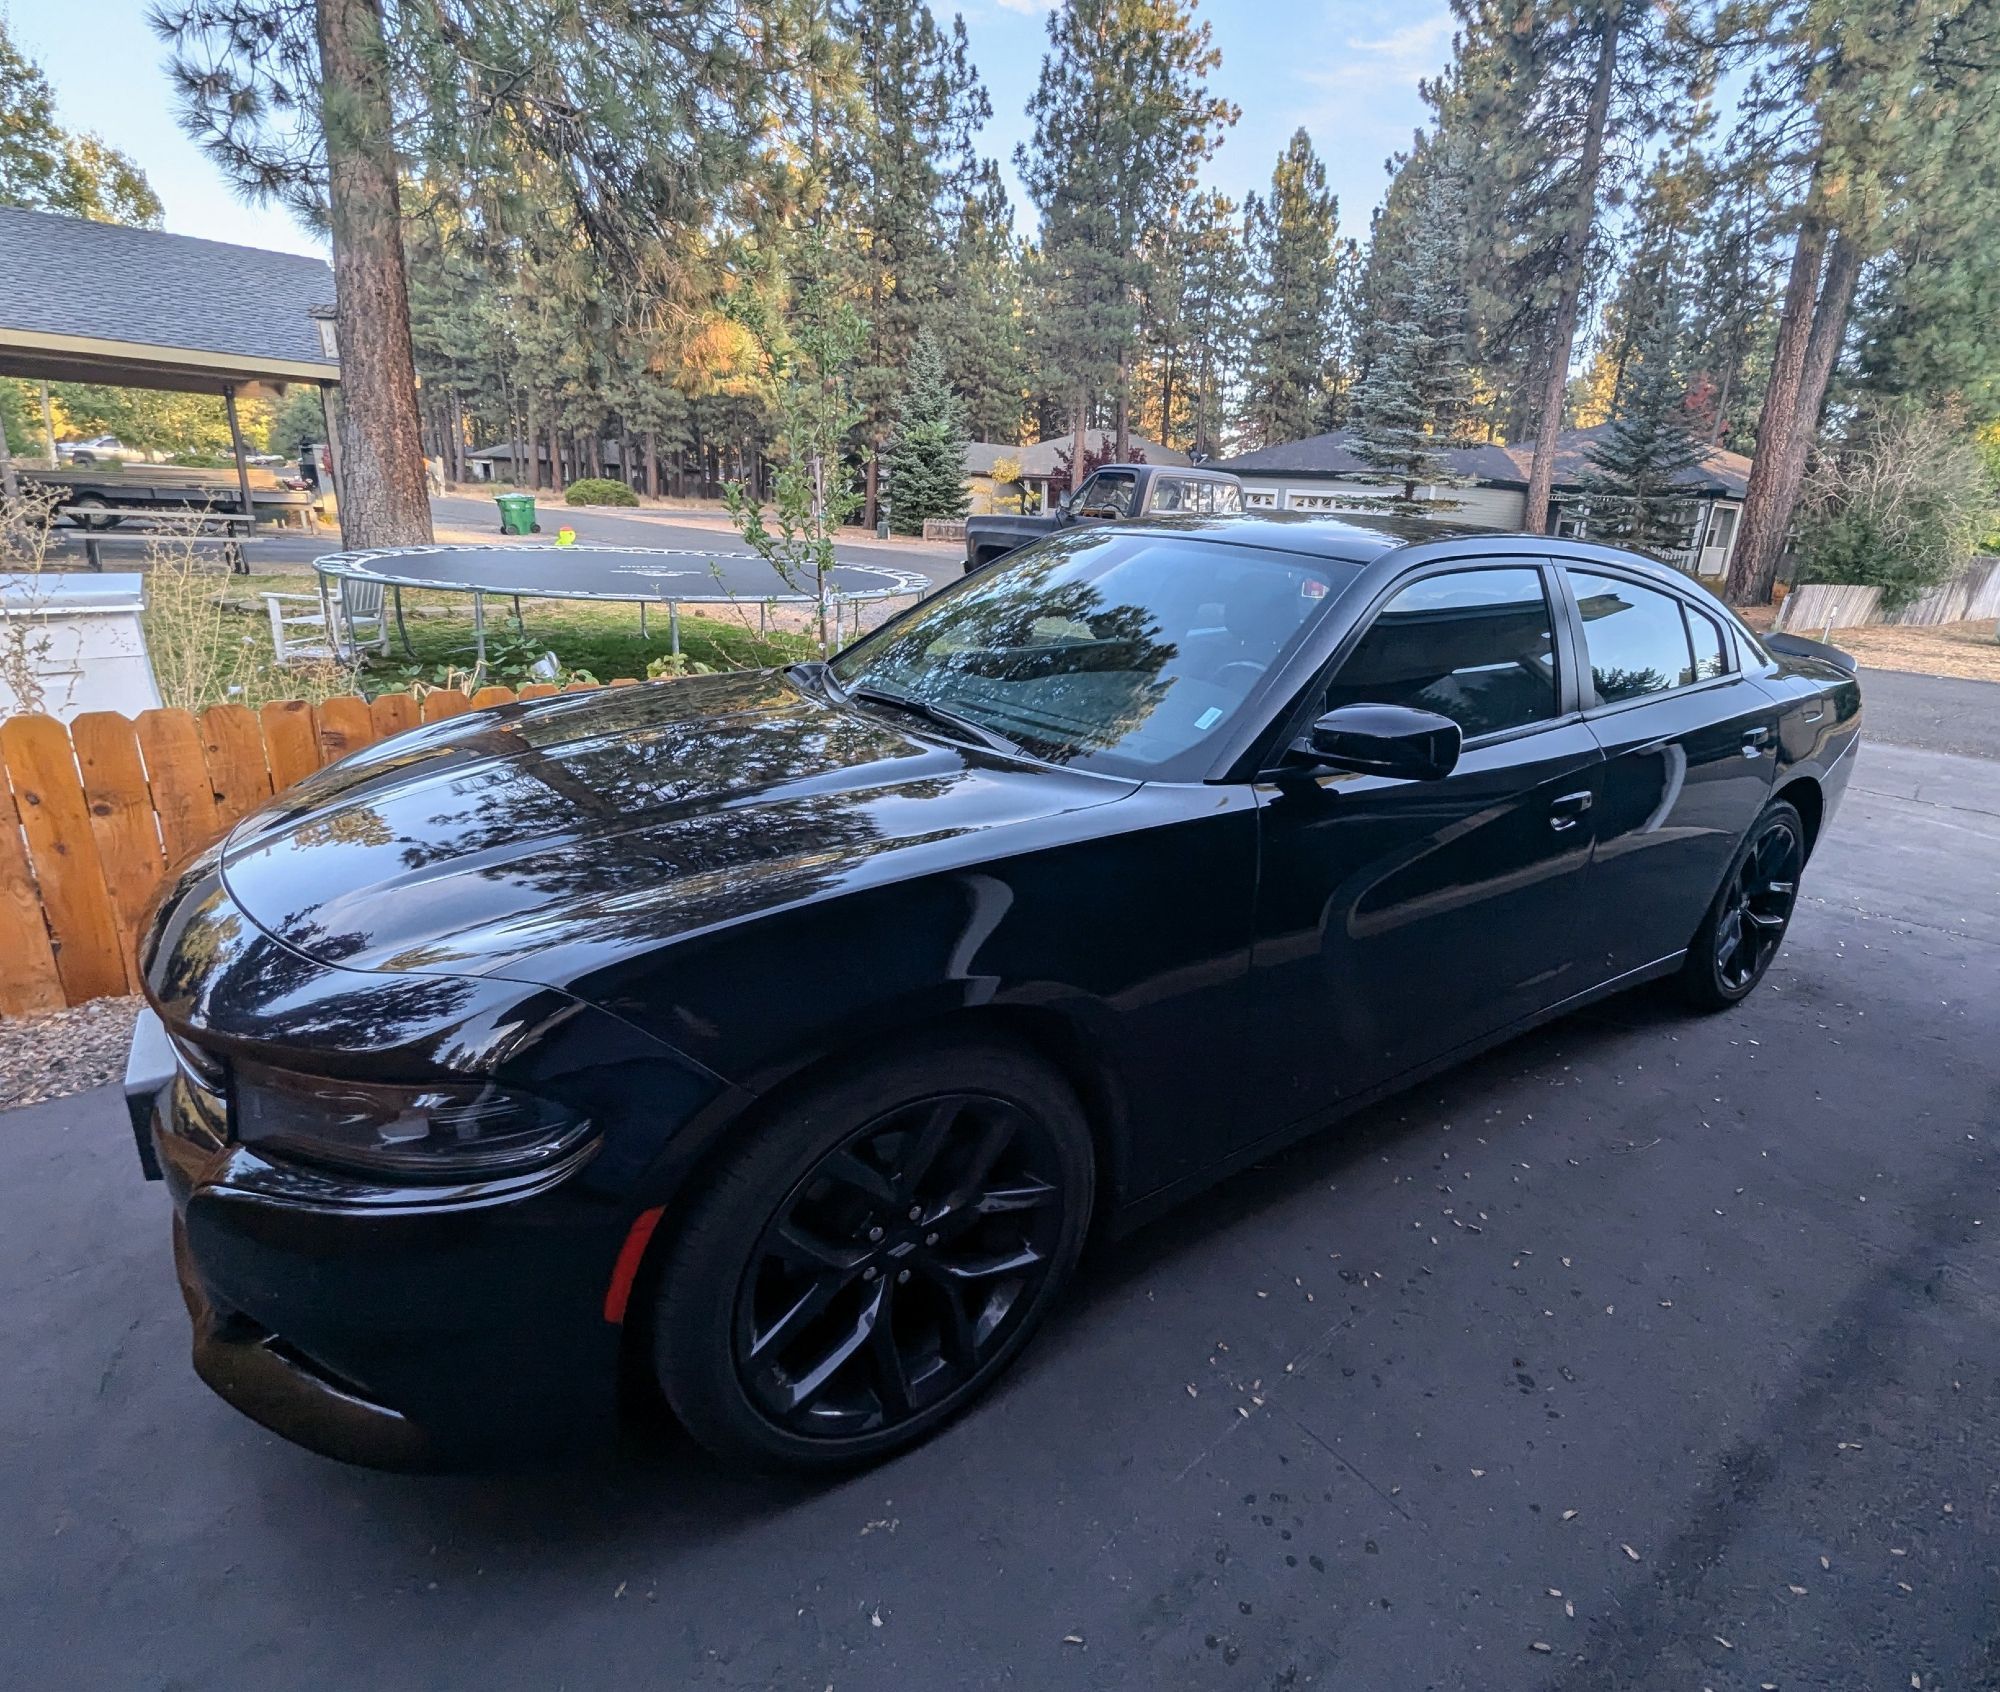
(587, 826)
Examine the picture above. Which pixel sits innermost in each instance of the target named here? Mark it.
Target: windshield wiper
(940, 714)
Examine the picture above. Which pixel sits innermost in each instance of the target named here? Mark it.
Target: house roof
(981, 456)
(1040, 460)
(1329, 456)
(102, 302)
(1719, 472)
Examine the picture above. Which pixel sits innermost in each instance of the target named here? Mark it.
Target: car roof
(1356, 538)
(1196, 470)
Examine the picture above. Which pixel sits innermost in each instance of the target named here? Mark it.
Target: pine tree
(1292, 238)
(1874, 110)
(1408, 407)
(1632, 486)
(638, 126)
(904, 184)
(1122, 121)
(926, 452)
(982, 317)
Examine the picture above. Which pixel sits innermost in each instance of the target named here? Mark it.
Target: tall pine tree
(1123, 119)
(1408, 408)
(925, 457)
(1292, 238)
(1632, 484)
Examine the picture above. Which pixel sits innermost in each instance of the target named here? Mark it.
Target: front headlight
(439, 1132)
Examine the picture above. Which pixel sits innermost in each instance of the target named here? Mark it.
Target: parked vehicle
(772, 1042)
(99, 449)
(1117, 493)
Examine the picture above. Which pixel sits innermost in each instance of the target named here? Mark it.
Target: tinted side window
(1476, 646)
(1709, 652)
(1173, 496)
(1635, 637)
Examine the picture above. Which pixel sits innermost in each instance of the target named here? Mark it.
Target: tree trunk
(455, 465)
(1774, 483)
(1829, 331)
(653, 463)
(1079, 437)
(1124, 407)
(871, 487)
(10, 484)
(1570, 278)
(384, 500)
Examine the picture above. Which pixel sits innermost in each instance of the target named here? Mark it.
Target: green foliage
(44, 167)
(671, 664)
(1297, 258)
(926, 453)
(1123, 120)
(1636, 463)
(816, 344)
(598, 490)
(1901, 502)
(1408, 408)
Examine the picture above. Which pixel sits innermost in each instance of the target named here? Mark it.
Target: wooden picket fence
(95, 816)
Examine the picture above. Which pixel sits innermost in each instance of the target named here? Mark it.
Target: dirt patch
(1969, 651)
(66, 1051)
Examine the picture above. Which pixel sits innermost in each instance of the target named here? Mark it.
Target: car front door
(1400, 920)
(1690, 746)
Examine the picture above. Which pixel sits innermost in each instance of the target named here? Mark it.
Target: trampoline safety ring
(641, 575)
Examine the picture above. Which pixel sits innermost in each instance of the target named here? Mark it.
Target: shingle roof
(68, 276)
(1720, 471)
(1328, 455)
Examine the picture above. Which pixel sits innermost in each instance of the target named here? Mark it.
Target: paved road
(1938, 713)
(1717, 1291)
(467, 517)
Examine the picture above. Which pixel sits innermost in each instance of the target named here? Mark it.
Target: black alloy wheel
(1744, 926)
(894, 1270)
(874, 1258)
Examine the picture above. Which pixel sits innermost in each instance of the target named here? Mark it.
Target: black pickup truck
(1116, 493)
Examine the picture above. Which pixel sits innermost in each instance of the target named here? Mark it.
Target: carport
(138, 308)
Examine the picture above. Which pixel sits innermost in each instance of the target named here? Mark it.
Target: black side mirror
(1384, 740)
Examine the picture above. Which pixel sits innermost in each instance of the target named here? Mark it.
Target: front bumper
(393, 1327)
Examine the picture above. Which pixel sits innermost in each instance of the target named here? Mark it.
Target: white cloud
(1026, 8)
(1403, 55)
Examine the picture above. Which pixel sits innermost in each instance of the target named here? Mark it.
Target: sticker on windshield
(1209, 718)
(1310, 589)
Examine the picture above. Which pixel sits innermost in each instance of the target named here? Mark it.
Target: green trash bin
(517, 513)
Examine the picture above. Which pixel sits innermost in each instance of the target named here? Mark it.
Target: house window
(1721, 527)
(1260, 499)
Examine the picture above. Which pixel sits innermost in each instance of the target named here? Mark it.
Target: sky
(1345, 69)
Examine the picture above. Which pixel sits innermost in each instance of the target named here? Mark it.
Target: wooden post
(328, 407)
(236, 446)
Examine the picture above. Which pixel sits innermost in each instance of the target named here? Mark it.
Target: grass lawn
(583, 634)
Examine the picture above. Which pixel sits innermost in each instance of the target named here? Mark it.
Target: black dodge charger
(774, 1042)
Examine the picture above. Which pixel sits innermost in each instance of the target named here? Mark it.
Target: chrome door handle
(1567, 812)
(1754, 741)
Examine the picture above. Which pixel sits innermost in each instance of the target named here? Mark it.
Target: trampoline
(641, 575)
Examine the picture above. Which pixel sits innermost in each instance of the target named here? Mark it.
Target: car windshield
(1128, 654)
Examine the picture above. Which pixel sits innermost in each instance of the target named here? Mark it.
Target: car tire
(815, 1200)
(90, 513)
(1747, 919)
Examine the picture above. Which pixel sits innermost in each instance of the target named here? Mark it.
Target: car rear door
(1690, 747)
(1399, 920)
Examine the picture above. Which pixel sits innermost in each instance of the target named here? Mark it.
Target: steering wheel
(1254, 668)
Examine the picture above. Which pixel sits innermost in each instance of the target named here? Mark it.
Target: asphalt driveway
(1648, 1352)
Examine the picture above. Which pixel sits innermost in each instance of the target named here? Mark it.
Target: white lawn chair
(303, 634)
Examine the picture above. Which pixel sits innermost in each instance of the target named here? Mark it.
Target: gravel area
(64, 1052)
